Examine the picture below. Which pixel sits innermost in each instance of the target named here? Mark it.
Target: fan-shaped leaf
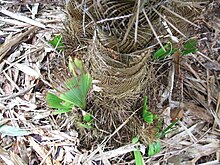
(72, 83)
(85, 84)
(54, 101)
(75, 97)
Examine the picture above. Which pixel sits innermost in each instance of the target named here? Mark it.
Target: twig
(179, 16)
(152, 28)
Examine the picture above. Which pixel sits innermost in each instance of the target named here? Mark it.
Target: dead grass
(26, 74)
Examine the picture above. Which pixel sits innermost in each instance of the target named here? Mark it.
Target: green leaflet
(154, 148)
(55, 102)
(137, 154)
(168, 129)
(135, 140)
(78, 64)
(161, 53)
(75, 97)
(87, 117)
(57, 42)
(189, 47)
(88, 125)
(138, 158)
(63, 110)
(85, 84)
(147, 116)
(72, 83)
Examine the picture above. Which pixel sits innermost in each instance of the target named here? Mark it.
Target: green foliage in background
(169, 49)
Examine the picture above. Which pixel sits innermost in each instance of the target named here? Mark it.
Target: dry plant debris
(30, 134)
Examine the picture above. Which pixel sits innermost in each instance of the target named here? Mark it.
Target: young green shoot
(57, 42)
(154, 148)
(137, 154)
(188, 47)
(75, 95)
(148, 116)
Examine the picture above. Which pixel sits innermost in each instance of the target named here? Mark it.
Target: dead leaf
(7, 88)
(214, 65)
(13, 131)
(176, 114)
(6, 47)
(16, 159)
(40, 150)
(10, 158)
(200, 150)
(22, 18)
(197, 111)
(27, 70)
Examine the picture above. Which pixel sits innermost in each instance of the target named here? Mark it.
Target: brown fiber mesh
(117, 35)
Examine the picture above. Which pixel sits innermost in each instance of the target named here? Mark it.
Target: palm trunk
(118, 34)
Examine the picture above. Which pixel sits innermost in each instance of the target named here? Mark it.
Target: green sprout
(88, 121)
(154, 148)
(75, 95)
(57, 42)
(162, 53)
(168, 129)
(189, 47)
(169, 49)
(147, 115)
(137, 154)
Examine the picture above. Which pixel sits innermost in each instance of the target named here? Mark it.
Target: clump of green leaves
(76, 92)
(169, 49)
(87, 120)
(147, 115)
(57, 42)
(189, 47)
(150, 118)
(137, 154)
(154, 148)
